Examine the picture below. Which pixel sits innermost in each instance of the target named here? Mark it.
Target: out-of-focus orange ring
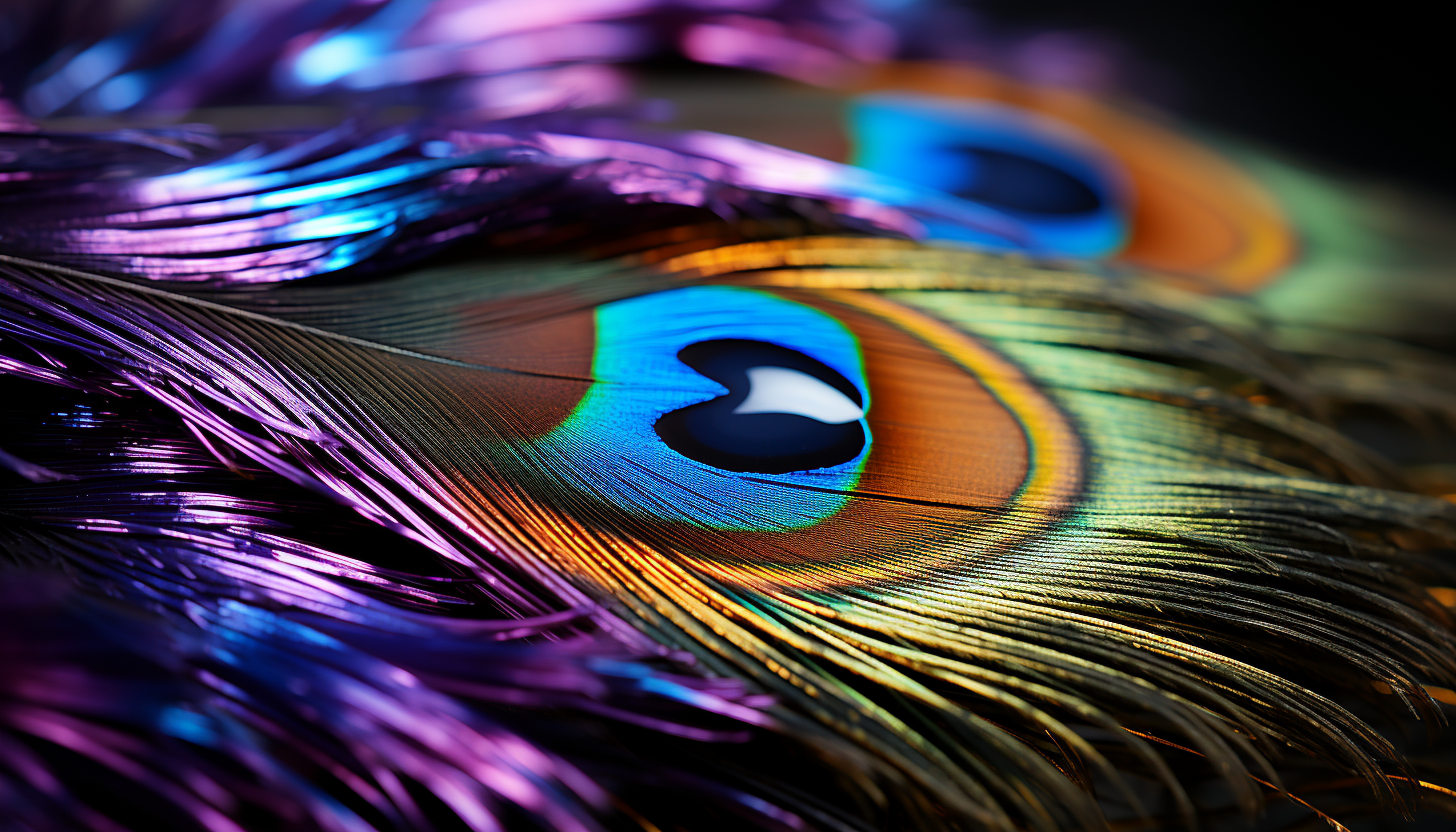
(1195, 213)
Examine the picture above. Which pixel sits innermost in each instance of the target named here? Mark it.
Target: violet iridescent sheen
(174, 55)
(485, 58)
(322, 680)
(191, 206)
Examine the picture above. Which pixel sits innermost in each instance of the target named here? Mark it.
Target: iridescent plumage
(561, 473)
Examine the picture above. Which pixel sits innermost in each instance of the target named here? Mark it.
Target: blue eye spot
(656, 434)
(1067, 193)
(1020, 183)
(784, 411)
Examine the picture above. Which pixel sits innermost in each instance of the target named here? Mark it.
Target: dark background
(1366, 87)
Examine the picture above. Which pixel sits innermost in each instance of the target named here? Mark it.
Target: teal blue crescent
(618, 459)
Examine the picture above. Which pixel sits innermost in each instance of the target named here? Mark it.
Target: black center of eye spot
(1020, 183)
(762, 442)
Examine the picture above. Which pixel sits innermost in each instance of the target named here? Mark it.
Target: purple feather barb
(250, 209)
(257, 644)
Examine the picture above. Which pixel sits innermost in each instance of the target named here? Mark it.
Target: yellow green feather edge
(1235, 579)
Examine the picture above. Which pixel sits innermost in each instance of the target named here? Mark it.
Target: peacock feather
(559, 472)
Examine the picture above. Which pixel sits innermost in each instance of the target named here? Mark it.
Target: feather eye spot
(1058, 184)
(1017, 182)
(784, 411)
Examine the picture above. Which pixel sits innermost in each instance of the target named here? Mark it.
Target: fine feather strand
(1207, 518)
(226, 646)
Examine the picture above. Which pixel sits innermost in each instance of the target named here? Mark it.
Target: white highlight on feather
(781, 390)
